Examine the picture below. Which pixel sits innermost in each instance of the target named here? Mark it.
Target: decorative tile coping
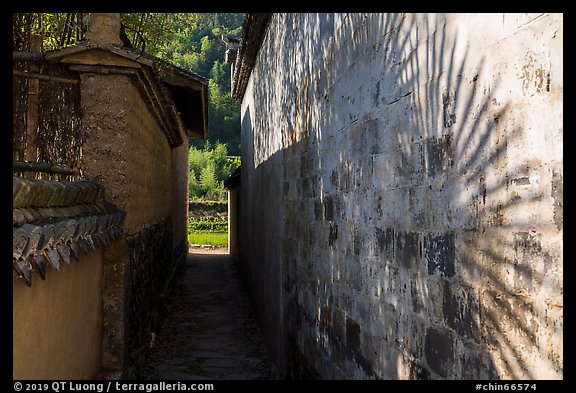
(54, 222)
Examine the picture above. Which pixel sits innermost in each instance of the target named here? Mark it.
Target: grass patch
(216, 239)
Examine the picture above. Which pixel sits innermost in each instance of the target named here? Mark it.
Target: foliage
(150, 32)
(208, 230)
(209, 223)
(56, 30)
(208, 168)
(208, 206)
(196, 46)
(191, 41)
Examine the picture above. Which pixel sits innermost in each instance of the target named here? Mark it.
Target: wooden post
(50, 78)
(31, 150)
(46, 167)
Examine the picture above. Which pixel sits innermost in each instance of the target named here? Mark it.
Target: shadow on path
(210, 331)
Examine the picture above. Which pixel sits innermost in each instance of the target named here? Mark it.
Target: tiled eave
(54, 222)
(177, 99)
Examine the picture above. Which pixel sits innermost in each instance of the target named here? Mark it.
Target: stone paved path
(210, 331)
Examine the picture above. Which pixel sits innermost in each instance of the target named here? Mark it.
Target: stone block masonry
(151, 268)
(402, 195)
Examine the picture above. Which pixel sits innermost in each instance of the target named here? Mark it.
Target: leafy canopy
(191, 41)
(208, 168)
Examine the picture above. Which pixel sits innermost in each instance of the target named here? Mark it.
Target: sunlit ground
(216, 239)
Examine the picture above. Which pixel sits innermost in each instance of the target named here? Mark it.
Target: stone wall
(402, 195)
(179, 202)
(151, 268)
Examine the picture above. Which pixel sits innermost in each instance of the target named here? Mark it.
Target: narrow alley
(389, 187)
(210, 331)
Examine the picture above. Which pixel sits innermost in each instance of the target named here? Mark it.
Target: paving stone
(208, 354)
(174, 375)
(210, 331)
(222, 362)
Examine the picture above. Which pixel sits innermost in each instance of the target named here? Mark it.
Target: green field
(216, 239)
(206, 224)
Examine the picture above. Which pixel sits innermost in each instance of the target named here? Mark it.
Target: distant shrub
(209, 224)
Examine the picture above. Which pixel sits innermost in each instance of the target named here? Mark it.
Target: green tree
(208, 179)
(194, 187)
(208, 168)
(191, 41)
(151, 32)
(197, 46)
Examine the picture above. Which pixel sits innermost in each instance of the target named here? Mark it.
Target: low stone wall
(151, 268)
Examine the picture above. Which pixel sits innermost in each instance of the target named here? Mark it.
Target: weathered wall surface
(127, 152)
(57, 323)
(179, 200)
(402, 194)
(148, 165)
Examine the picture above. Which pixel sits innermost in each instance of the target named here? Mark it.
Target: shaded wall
(233, 223)
(179, 200)
(402, 195)
(57, 323)
(261, 228)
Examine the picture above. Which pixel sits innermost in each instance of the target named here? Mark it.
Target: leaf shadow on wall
(403, 251)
